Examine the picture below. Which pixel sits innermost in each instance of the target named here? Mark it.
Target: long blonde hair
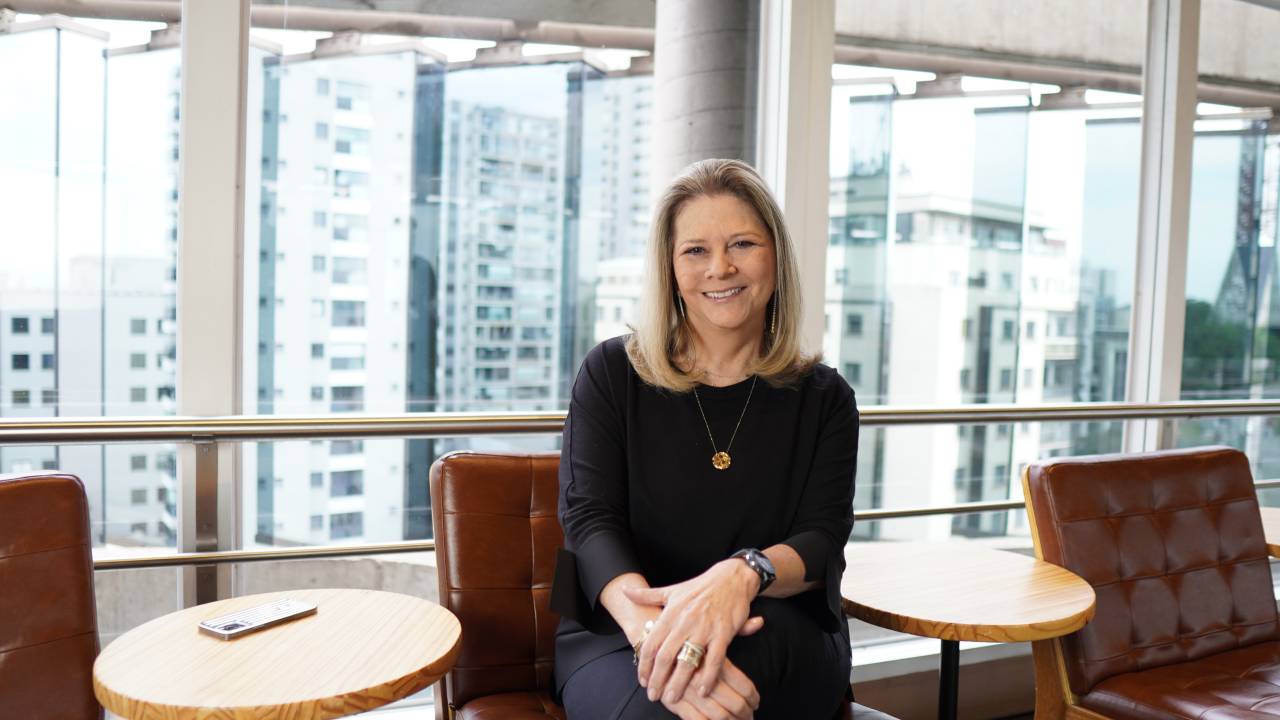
(661, 334)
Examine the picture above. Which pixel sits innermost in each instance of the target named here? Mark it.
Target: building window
(1006, 378)
(317, 350)
(964, 379)
(346, 525)
(137, 361)
(47, 325)
(138, 528)
(348, 313)
(1031, 330)
(46, 361)
(348, 398)
(138, 326)
(318, 263)
(317, 392)
(317, 523)
(138, 496)
(49, 397)
(322, 131)
(21, 361)
(1006, 330)
(137, 462)
(966, 327)
(1028, 378)
(21, 398)
(853, 325)
(137, 394)
(20, 325)
(165, 392)
(317, 479)
(853, 373)
(346, 482)
(320, 218)
(346, 447)
(322, 86)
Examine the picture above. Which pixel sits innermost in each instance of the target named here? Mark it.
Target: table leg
(948, 680)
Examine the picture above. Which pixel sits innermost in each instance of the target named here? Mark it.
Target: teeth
(723, 295)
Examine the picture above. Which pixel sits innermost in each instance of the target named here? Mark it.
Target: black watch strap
(761, 564)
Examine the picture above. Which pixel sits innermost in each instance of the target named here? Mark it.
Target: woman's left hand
(708, 610)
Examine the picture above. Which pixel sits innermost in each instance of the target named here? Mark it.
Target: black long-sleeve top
(638, 492)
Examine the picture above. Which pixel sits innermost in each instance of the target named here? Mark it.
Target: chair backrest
(48, 616)
(496, 537)
(1172, 544)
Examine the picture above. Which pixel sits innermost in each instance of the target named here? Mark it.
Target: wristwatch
(761, 564)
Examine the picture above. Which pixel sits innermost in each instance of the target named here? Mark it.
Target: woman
(706, 482)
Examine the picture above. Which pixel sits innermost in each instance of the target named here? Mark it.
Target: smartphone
(249, 620)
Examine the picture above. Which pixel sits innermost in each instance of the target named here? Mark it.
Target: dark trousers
(799, 670)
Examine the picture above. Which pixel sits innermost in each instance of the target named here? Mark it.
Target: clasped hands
(709, 611)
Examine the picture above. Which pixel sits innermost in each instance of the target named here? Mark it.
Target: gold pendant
(720, 460)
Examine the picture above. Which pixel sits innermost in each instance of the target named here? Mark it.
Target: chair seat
(1232, 685)
(512, 706)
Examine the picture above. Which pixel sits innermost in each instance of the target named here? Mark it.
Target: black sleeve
(825, 517)
(593, 484)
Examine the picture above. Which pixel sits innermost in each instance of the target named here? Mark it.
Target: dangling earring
(680, 306)
(773, 323)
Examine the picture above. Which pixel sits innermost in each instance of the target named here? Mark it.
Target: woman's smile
(722, 296)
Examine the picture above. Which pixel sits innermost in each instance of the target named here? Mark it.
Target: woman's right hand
(734, 697)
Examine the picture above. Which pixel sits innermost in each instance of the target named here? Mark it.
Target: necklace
(721, 460)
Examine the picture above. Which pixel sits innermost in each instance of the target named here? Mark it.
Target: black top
(638, 492)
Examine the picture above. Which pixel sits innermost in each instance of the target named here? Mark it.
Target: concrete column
(704, 83)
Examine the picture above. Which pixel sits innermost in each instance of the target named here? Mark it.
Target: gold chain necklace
(721, 459)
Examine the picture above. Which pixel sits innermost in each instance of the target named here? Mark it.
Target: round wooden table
(962, 591)
(362, 649)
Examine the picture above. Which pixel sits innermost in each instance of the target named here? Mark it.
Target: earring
(773, 323)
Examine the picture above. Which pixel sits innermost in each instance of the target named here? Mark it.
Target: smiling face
(725, 264)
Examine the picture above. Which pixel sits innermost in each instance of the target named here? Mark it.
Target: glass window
(346, 525)
(21, 361)
(346, 447)
(317, 523)
(138, 326)
(49, 397)
(46, 326)
(46, 361)
(21, 398)
(137, 462)
(138, 496)
(137, 394)
(137, 361)
(21, 325)
(317, 479)
(346, 482)
(348, 313)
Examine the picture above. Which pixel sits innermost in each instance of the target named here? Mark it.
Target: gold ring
(691, 654)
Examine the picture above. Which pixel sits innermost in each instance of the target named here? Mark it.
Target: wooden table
(962, 591)
(362, 649)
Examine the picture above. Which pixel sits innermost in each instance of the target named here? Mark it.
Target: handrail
(30, 431)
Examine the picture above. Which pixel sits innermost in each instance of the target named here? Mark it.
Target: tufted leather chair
(496, 540)
(48, 616)
(1186, 622)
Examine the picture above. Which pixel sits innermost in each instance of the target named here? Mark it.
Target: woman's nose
(720, 265)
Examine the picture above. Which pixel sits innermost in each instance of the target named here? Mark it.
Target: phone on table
(258, 617)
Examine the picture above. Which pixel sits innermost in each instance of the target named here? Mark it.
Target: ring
(691, 654)
(649, 625)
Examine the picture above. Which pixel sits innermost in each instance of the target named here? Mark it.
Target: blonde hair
(660, 333)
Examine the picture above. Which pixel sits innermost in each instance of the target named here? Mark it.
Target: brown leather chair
(48, 617)
(1186, 621)
(496, 540)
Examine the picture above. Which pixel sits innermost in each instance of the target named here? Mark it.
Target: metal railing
(206, 431)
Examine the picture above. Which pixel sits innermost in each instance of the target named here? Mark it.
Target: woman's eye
(693, 251)
(743, 243)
